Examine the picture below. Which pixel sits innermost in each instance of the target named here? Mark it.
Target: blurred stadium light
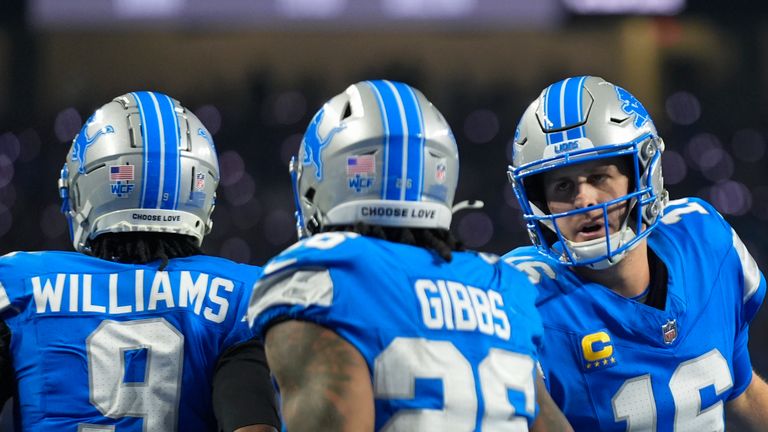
(146, 8)
(270, 14)
(370, 14)
(657, 7)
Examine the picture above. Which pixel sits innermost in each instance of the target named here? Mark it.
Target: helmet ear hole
(313, 226)
(310, 195)
(74, 197)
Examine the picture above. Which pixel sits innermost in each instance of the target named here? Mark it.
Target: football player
(646, 303)
(137, 330)
(377, 319)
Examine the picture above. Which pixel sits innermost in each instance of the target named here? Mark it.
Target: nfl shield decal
(197, 195)
(199, 182)
(669, 330)
(440, 170)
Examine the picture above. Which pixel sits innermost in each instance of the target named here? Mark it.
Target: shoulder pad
(5, 301)
(535, 266)
(17, 264)
(701, 221)
(315, 251)
(678, 209)
(14, 267)
(298, 288)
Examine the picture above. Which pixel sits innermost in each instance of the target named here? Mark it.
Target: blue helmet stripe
(151, 144)
(385, 126)
(563, 110)
(143, 120)
(395, 138)
(563, 107)
(415, 142)
(573, 134)
(554, 96)
(171, 159)
(160, 145)
(575, 100)
(572, 102)
(552, 111)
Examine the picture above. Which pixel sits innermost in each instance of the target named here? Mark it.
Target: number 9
(156, 399)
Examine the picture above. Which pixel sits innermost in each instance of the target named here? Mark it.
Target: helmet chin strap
(301, 227)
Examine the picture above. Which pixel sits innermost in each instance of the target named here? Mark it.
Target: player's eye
(563, 186)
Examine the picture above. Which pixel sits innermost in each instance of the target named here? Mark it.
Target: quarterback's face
(583, 185)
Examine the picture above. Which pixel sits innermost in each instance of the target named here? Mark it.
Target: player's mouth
(590, 231)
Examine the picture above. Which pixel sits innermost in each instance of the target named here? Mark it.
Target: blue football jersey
(104, 346)
(614, 364)
(450, 346)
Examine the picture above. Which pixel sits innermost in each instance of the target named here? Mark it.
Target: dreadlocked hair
(440, 241)
(142, 247)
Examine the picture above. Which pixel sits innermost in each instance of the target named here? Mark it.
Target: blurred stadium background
(256, 71)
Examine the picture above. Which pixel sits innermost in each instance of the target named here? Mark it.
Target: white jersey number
(156, 398)
(673, 216)
(406, 359)
(634, 401)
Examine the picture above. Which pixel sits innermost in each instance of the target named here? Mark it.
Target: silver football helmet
(573, 121)
(144, 163)
(378, 153)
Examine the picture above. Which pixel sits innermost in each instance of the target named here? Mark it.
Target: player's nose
(586, 195)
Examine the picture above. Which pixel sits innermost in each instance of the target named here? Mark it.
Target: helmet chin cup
(598, 248)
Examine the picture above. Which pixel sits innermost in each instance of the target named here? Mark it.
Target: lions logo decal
(83, 141)
(630, 105)
(313, 143)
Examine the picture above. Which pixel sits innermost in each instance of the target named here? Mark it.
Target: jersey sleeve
(241, 331)
(709, 227)
(749, 287)
(521, 292)
(750, 295)
(751, 281)
(7, 377)
(12, 288)
(5, 300)
(297, 285)
(301, 294)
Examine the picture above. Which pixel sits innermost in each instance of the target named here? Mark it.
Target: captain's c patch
(597, 351)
